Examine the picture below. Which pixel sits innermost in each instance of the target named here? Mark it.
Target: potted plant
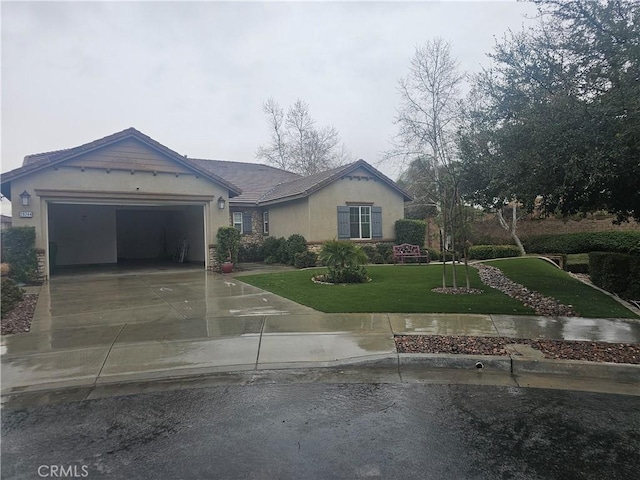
(228, 245)
(227, 265)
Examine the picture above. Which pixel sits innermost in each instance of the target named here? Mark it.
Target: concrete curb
(621, 372)
(467, 362)
(391, 364)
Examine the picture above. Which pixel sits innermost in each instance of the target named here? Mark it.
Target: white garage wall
(84, 234)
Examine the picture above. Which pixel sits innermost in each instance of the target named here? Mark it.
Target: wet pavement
(98, 329)
(329, 431)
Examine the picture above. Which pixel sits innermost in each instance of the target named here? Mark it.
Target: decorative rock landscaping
(18, 320)
(493, 277)
(554, 349)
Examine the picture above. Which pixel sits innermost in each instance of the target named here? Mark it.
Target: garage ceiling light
(221, 203)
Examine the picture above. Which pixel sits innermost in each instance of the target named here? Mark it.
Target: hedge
(617, 273)
(251, 252)
(484, 252)
(296, 243)
(620, 242)
(283, 250)
(411, 231)
(305, 259)
(18, 250)
(228, 244)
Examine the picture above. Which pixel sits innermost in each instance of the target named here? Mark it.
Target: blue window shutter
(376, 222)
(246, 223)
(344, 231)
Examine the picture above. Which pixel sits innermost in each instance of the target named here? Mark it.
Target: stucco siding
(360, 187)
(81, 184)
(128, 154)
(287, 219)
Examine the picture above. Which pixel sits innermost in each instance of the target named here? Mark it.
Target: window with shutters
(265, 221)
(237, 221)
(359, 222)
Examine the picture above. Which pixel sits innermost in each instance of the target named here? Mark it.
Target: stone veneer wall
(214, 266)
(257, 227)
(41, 256)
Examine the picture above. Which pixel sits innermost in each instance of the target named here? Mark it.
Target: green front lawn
(407, 289)
(543, 277)
(393, 288)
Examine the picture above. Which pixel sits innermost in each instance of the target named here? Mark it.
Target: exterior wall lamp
(221, 203)
(25, 198)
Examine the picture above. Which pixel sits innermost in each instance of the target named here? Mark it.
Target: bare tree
(427, 119)
(296, 143)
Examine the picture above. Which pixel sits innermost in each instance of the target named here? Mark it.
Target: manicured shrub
(11, 296)
(251, 252)
(577, 267)
(296, 243)
(305, 259)
(370, 251)
(411, 231)
(618, 273)
(350, 274)
(434, 255)
(577, 263)
(379, 253)
(228, 244)
(18, 250)
(282, 254)
(484, 252)
(270, 246)
(344, 260)
(584, 242)
(385, 250)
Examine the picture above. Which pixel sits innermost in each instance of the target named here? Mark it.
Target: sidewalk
(105, 330)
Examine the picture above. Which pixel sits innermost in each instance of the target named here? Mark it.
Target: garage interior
(88, 234)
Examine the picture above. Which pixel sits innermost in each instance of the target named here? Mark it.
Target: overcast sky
(193, 76)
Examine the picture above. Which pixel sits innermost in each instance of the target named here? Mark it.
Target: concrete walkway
(92, 330)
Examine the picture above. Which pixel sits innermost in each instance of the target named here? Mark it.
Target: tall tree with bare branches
(296, 143)
(427, 120)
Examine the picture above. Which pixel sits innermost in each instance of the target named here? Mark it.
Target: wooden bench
(406, 250)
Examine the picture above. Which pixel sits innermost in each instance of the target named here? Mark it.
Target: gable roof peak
(36, 162)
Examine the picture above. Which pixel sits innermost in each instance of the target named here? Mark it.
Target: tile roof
(38, 161)
(305, 186)
(254, 179)
(248, 183)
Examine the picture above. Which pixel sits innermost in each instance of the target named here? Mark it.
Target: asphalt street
(327, 431)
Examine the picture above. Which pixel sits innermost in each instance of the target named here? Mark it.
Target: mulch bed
(18, 320)
(457, 291)
(554, 349)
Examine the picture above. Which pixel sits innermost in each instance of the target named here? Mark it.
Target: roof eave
(67, 154)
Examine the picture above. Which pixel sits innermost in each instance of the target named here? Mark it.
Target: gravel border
(552, 349)
(18, 320)
(542, 305)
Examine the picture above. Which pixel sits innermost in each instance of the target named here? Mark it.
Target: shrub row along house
(128, 197)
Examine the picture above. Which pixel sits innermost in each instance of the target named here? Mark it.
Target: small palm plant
(344, 260)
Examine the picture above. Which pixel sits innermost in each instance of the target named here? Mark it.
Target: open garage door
(88, 234)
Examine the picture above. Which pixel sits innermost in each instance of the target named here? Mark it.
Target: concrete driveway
(89, 329)
(105, 329)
